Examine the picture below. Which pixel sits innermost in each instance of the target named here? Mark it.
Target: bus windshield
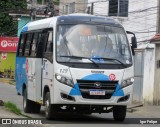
(96, 42)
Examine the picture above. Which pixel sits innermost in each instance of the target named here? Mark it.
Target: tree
(56, 2)
(8, 27)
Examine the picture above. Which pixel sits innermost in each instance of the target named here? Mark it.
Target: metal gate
(138, 76)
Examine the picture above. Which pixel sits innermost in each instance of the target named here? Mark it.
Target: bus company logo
(112, 77)
(4, 43)
(97, 84)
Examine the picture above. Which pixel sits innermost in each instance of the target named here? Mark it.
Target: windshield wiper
(92, 59)
(80, 57)
(114, 60)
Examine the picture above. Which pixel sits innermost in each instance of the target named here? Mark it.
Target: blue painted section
(20, 73)
(75, 90)
(95, 77)
(118, 91)
(25, 29)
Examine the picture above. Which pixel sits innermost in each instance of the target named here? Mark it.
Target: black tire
(36, 107)
(50, 111)
(119, 113)
(88, 113)
(84, 113)
(26, 103)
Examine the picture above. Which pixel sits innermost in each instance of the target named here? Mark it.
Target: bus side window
(21, 47)
(48, 52)
(27, 44)
(33, 46)
(40, 44)
(49, 44)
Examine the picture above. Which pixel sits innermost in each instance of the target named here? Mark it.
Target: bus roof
(86, 18)
(70, 19)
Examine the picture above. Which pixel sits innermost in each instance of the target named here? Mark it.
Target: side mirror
(134, 42)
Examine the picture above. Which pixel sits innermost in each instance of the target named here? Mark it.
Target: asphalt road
(8, 93)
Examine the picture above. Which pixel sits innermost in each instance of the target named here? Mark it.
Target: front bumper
(62, 89)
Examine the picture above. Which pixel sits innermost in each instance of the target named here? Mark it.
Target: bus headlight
(127, 82)
(64, 80)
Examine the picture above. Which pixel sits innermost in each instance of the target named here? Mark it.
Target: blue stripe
(118, 91)
(25, 28)
(75, 91)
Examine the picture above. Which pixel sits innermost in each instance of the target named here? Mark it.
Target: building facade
(137, 16)
(156, 96)
(72, 6)
(8, 46)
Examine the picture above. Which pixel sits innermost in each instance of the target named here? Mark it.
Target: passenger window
(27, 44)
(21, 47)
(33, 47)
(42, 37)
(49, 44)
(48, 53)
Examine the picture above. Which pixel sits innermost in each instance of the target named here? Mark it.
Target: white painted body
(38, 69)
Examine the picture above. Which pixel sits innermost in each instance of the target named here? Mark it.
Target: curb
(132, 108)
(20, 114)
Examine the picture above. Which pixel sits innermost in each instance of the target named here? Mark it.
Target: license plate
(97, 92)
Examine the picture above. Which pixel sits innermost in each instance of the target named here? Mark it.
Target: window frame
(36, 44)
(19, 46)
(27, 35)
(33, 32)
(120, 4)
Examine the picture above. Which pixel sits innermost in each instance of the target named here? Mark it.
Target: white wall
(139, 19)
(148, 77)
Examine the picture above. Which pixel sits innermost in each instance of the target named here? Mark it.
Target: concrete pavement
(147, 111)
(4, 113)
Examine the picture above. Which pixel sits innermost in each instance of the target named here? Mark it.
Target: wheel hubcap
(24, 101)
(47, 106)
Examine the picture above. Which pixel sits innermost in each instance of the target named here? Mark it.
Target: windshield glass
(96, 42)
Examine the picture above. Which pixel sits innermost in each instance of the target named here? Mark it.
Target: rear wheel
(26, 103)
(119, 113)
(50, 110)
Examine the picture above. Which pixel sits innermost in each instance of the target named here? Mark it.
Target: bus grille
(86, 86)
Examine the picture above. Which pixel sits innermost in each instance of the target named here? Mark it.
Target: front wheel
(119, 113)
(50, 110)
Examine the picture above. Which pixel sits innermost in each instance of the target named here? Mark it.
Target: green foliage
(13, 4)
(39, 1)
(12, 107)
(8, 27)
(56, 2)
